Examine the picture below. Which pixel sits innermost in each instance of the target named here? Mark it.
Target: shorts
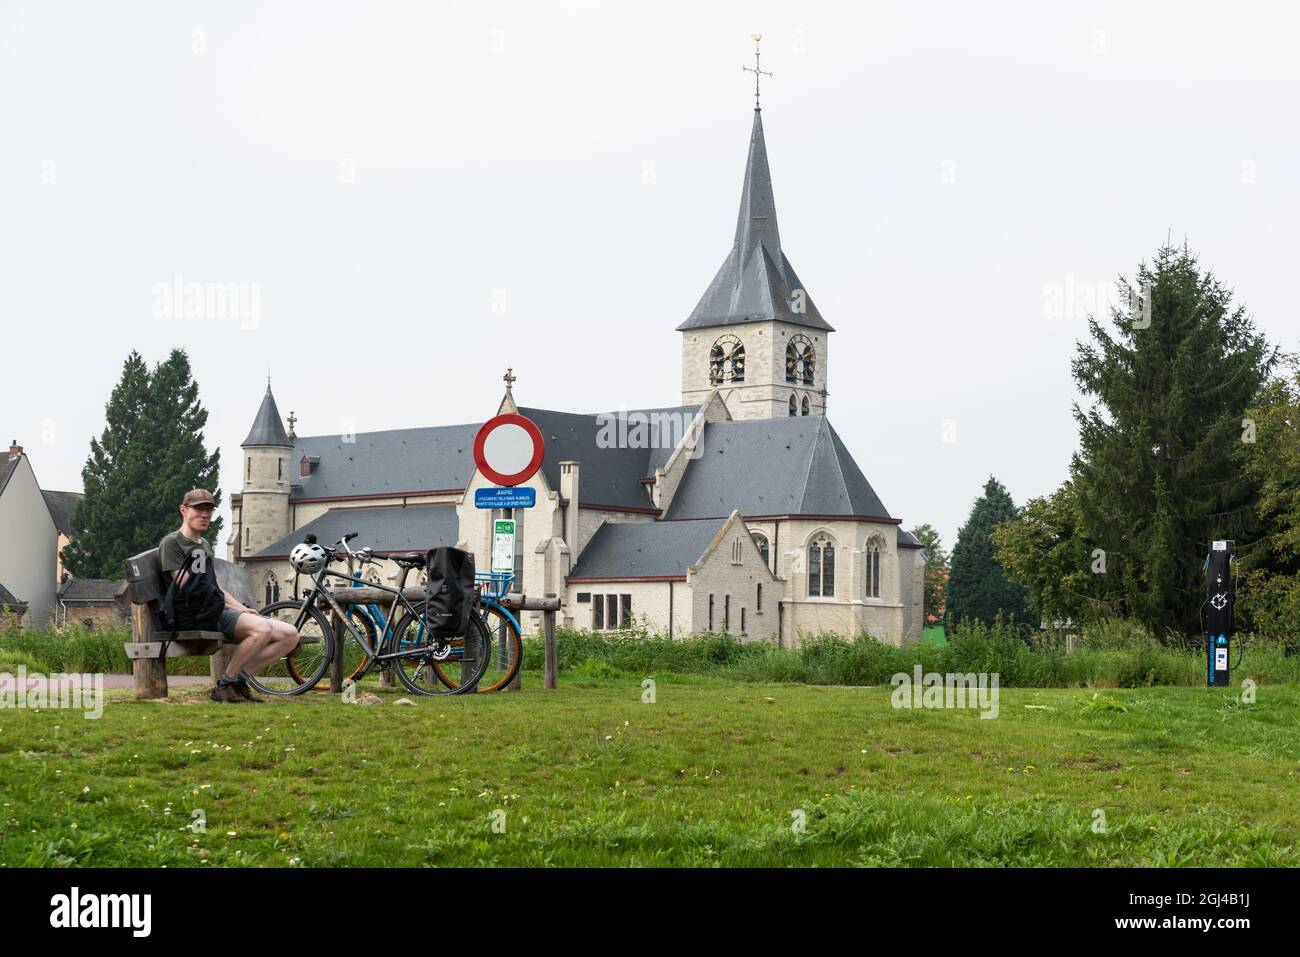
(226, 623)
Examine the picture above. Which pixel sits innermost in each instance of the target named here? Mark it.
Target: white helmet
(307, 557)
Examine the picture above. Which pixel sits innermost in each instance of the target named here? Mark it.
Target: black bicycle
(419, 657)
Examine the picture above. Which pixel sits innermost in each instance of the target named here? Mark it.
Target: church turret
(264, 503)
(755, 334)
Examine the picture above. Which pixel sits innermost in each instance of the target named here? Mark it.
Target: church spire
(756, 282)
(267, 428)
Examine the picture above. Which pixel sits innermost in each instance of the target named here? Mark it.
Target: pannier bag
(449, 591)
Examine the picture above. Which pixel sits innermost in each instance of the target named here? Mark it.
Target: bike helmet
(307, 557)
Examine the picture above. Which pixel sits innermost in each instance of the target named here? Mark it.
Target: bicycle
(508, 653)
(409, 645)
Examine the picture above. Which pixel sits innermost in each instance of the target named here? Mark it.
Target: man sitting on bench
(184, 553)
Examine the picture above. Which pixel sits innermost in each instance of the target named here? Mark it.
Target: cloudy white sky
(387, 172)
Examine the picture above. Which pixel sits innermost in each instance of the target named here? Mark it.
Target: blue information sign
(498, 497)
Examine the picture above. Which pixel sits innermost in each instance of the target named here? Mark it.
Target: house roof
(441, 458)
(62, 506)
(8, 463)
(11, 600)
(785, 466)
(267, 428)
(756, 282)
(626, 550)
(91, 589)
(391, 528)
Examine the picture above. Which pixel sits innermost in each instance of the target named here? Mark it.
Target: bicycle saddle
(413, 559)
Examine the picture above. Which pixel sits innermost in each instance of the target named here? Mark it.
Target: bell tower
(755, 334)
(264, 502)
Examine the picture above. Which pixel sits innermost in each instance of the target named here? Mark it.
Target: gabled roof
(784, 466)
(12, 601)
(441, 458)
(626, 550)
(62, 506)
(391, 528)
(609, 475)
(756, 282)
(91, 589)
(267, 428)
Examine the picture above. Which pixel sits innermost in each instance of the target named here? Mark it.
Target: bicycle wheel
(303, 667)
(507, 653)
(356, 660)
(463, 659)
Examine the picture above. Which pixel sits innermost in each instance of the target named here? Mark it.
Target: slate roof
(623, 550)
(91, 589)
(9, 598)
(907, 540)
(7, 465)
(786, 466)
(392, 528)
(62, 506)
(756, 282)
(441, 458)
(267, 428)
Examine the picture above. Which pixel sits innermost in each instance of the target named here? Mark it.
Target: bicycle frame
(318, 591)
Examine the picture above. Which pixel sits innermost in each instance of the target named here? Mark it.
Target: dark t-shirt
(175, 549)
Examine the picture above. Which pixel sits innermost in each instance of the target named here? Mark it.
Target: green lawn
(712, 773)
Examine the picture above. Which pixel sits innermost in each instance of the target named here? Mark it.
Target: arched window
(760, 542)
(794, 406)
(800, 360)
(821, 568)
(272, 589)
(727, 361)
(804, 406)
(873, 568)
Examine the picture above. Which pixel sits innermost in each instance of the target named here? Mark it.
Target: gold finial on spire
(756, 69)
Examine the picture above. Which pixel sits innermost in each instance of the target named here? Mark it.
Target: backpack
(196, 605)
(449, 592)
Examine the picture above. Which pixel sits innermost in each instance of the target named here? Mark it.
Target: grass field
(715, 772)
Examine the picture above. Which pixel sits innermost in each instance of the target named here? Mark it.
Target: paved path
(8, 682)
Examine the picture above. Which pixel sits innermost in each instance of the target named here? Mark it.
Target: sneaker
(227, 694)
(241, 685)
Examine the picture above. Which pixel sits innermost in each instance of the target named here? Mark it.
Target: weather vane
(756, 69)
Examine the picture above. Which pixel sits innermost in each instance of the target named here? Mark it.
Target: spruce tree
(149, 455)
(1160, 468)
(978, 586)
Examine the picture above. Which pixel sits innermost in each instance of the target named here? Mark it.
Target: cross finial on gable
(293, 419)
(509, 379)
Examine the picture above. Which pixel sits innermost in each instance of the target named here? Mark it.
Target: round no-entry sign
(508, 449)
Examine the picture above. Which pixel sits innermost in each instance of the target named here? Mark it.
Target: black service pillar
(1218, 616)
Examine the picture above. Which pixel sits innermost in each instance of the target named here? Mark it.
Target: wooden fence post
(548, 630)
(150, 673)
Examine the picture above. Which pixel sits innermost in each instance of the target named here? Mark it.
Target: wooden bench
(152, 644)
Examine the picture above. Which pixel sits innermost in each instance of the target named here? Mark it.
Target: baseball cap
(198, 496)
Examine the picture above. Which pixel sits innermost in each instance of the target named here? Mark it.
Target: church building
(739, 511)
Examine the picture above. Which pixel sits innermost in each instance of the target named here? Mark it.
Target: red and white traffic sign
(508, 449)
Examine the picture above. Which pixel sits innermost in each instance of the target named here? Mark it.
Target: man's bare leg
(261, 641)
